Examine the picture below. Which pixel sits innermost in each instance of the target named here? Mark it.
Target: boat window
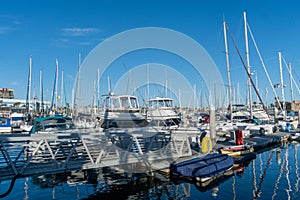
(168, 103)
(3, 121)
(152, 104)
(18, 118)
(115, 103)
(161, 103)
(133, 102)
(107, 102)
(125, 102)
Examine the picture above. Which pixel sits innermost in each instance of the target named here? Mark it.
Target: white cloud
(14, 83)
(74, 32)
(62, 42)
(5, 29)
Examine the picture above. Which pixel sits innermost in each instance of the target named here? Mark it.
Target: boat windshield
(161, 103)
(54, 125)
(3, 121)
(125, 103)
(168, 103)
(121, 102)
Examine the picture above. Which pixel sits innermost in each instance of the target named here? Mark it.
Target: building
(7, 93)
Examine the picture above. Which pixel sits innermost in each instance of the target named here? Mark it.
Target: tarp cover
(206, 166)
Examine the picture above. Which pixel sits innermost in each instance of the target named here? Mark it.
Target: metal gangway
(26, 155)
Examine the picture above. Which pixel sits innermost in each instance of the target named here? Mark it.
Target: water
(274, 174)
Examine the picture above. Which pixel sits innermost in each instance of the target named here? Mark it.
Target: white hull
(5, 129)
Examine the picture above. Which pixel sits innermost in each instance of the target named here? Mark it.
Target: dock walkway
(25, 155)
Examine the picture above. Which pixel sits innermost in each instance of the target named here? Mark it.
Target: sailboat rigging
(248, 73)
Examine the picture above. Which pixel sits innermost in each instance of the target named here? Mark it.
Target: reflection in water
(26, 189)
(280, 173)
(254, 177)
(233, 188)
(258, 192)
(263, 174)
(289, 189)
(214, 192)
(297, 167)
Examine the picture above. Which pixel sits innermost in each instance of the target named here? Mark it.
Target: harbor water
(273, 174)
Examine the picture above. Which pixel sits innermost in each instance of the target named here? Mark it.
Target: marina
(273, 173)
(150, 112)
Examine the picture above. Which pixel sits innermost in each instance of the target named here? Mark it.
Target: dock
(24, 155)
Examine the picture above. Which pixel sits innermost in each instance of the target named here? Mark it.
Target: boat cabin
(161, 112)
(52, 124)
(122, 102)
(121, 111)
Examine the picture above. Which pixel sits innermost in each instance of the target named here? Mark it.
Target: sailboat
(285, 122)
(251, 119)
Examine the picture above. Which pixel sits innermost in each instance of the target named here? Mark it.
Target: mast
(291, 87)
(98, 88)
(62, 89)
(56, 86)
(264, 67)
(281, 82)
(179, 97)
(195, 105)
(256, 83)
(109, 86)
(248, 65)
(249, 75)
(41, 93)
(148, 83)
(77, 89)
(228, 70)
(291, 75)
(267, 96)
(29, 87)
(94, 98)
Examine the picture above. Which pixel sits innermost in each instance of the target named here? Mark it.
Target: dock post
(298, 119)
(212, 126)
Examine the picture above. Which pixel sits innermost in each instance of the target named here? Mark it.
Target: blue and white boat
(203, 168)
(5, 126)
(17, 120)
(52, 124)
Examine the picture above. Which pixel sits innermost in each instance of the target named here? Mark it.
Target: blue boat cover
(5, 122)
(206, 166)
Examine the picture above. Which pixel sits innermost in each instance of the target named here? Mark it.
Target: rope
(12, 184)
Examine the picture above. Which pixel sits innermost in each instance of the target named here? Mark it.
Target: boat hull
(203, 168)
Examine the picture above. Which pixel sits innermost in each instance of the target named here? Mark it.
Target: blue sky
(47, 30)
